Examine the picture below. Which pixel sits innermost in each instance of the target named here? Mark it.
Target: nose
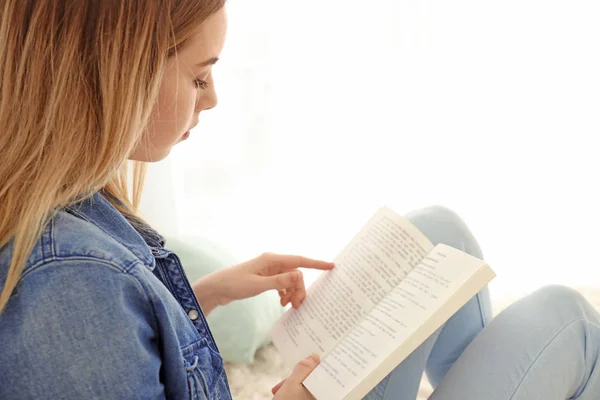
(212, 102)
(208, 99)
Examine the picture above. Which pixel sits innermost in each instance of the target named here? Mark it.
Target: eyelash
(200, 84)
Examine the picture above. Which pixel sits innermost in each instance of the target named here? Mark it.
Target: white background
(330, 109)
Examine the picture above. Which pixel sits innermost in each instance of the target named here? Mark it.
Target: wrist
(208, 293)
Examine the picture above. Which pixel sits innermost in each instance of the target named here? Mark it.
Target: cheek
(173, 113)
(171, 117)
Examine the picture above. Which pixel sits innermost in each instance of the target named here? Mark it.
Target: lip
(187, 134)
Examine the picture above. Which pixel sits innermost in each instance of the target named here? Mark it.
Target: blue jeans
(545, 346)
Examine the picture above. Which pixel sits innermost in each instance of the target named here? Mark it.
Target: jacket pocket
(204, 369)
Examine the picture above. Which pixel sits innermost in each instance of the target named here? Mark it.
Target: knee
(547, 311)
(557, 298)
(442, 225)
(552, 305)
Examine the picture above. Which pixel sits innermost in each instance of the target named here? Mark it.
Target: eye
(200, 84)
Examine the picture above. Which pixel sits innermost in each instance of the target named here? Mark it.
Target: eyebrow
(210, 61)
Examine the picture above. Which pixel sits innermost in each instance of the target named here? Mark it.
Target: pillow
(241, 327)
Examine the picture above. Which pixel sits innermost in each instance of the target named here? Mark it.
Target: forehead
(210, 37)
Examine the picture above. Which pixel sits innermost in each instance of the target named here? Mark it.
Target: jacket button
(193, 314)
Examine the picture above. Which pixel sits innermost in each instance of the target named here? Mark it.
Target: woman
(94, 306)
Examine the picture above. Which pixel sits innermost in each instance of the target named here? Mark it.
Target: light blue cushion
(241, 327)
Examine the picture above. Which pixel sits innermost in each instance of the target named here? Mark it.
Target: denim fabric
(545, 346)
(103, 311)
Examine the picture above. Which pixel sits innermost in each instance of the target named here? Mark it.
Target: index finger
(293, 262)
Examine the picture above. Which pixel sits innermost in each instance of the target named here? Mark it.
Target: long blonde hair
(78, 81)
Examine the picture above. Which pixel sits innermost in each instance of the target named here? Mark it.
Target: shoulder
(75, 253)
(76, 270)
(83, 320)
(68, 241)
(68, 236)
(83, 314)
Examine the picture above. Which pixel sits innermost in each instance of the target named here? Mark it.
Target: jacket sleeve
(81, 329)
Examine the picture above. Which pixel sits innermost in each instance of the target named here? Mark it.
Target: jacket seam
(52, 242)
(125, 272)
(82, 257)
(83, 217)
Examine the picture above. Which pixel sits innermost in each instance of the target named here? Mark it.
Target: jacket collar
(97, 210)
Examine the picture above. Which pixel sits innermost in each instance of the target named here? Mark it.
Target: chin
(150, 158)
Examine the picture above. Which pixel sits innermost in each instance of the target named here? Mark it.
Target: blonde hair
(78, 82)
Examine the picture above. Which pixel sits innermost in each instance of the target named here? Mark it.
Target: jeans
(545, 346)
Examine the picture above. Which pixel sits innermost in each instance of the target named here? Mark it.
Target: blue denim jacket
(104, 312)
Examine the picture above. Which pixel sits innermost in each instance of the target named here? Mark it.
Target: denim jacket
(104, 312)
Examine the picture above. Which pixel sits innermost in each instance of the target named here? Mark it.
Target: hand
(292, 388)
(266, 272)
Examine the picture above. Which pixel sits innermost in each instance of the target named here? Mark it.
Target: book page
(372, 264)
(393, 321)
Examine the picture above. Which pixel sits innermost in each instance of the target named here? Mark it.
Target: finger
(287, 263)
(287, 297)
(288, 280)
(298, 297)
(303, 369)
(277, 387)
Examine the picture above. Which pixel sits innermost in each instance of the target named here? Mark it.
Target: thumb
(303, 369)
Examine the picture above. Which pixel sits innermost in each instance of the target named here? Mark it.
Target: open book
(389, 291)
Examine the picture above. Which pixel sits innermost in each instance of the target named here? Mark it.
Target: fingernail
(315, 357)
